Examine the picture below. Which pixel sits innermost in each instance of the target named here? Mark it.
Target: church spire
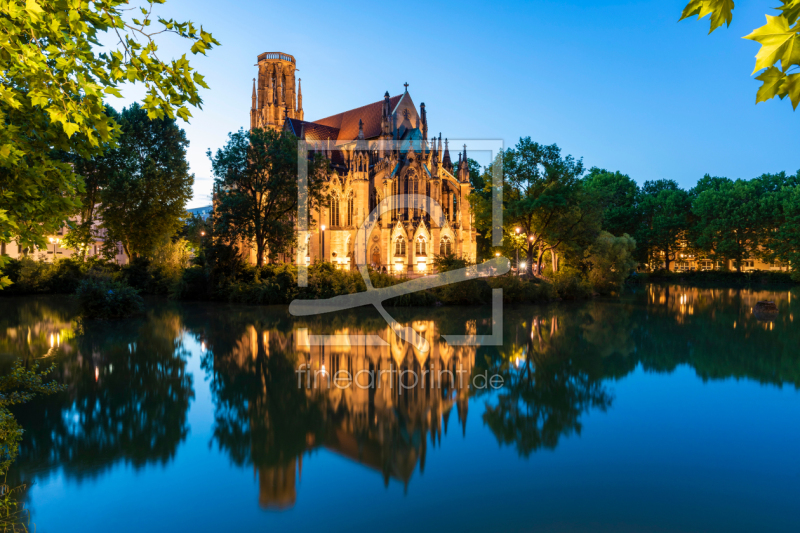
(361, 143)
(255, 95)
(299, 95)
(463, 167)
(447, 163)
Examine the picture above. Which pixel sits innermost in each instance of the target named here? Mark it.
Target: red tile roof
(347, 123)
(313, 131)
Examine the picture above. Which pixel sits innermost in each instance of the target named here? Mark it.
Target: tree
(51, 98)
(611, 261)
(779, 39)
(729, 219)
(540, 195)
(665, 209)
(95, 171)
(620, 194)
(780, 208)
(144, 200)
(256, 190)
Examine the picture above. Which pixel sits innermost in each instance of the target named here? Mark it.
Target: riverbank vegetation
(554, 214)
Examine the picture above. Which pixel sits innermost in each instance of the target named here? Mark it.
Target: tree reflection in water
(128, 391)
(126, 400)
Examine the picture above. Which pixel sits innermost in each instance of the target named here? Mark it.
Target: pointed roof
(346, 123)
(446, 159)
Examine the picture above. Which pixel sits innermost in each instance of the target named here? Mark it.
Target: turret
(424, 119)
(463, 167)
(299, 100)
(447, 163)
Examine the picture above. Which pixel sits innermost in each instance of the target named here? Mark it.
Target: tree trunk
(539, 261)
(529, 261)
(554, 260)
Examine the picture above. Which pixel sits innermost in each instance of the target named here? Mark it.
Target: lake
(670, 409)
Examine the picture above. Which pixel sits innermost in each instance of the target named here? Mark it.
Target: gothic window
(400, 246)
(350, 210)
(445, 248)
(334, 210)
(421, 245)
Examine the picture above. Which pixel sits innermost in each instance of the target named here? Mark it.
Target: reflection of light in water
(734, 324)
(96, 373)
(203, 346)
(323, 370)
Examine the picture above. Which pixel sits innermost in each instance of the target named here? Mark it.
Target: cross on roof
(406, 86)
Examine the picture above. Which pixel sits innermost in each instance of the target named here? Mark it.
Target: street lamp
(53, 242)
(202, 233)
(322, 236)
(516, 245)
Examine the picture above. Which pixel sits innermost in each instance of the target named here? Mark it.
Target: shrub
(611, 260)
(569, 284)
(446, 263)
(192, 285)
(522, 290)
(104, 298)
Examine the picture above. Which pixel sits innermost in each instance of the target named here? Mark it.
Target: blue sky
(621, 84)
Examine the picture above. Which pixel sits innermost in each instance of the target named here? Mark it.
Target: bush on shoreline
(103, 298)
(64, 275)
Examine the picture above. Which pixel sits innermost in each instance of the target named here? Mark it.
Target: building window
(334, 210)
(420, 245)
(400, 246)
(445, 247)
(350, 210)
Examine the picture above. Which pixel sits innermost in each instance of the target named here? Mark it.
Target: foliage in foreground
(55, 79)
(779, 39)
(19, 385)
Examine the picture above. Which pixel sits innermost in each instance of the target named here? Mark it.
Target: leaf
(70, 128)
(721, 11)
(773, 80)
(791, 10)
(792, 88)
(33, 9)
(774, 38)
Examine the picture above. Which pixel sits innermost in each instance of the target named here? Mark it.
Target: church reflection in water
(283, 388)
(378, 405)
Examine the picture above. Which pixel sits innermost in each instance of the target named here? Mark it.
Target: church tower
(276, 96)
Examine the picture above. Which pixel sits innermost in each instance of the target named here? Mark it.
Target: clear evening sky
(621, 84)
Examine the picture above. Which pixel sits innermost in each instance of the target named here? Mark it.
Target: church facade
(376, 152)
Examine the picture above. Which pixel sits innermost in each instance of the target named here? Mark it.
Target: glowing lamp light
(517, 230)
(51, 239)
(523, 265)
(202, 233)
(323, 227)
(497, 254)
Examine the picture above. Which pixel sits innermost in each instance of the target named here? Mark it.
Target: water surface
(672, 409)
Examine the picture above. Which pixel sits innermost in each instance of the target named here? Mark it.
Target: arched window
(334, 211)
(350, 209)
(400, 246)
(421, 245)
(445, 248)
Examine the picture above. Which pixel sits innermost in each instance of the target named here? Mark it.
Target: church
(376, 151)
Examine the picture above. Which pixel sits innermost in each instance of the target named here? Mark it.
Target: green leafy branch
(780, 43)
